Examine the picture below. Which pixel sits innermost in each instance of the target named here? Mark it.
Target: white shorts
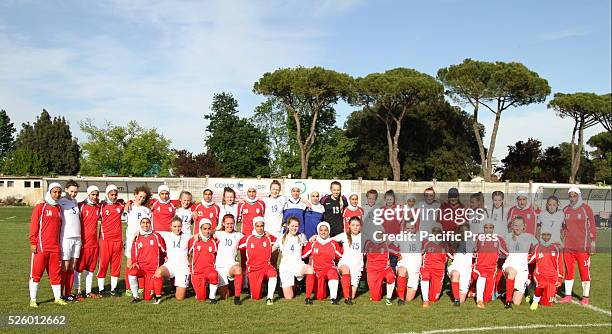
(129, 240)
(224, 276)
(71, 248)
(355, 270)
(288, 273)
(412, 262)
(522, 275)
(181, 276)
(465, 273)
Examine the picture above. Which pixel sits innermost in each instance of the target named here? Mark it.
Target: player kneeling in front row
(203, 251)
(435, 255)
(378, 269)
(177, 264)
(323, 252)
(258, 251)
(351, 263)
(408, 267)
(548, 272)
(226, 265)
(520, 245)
(485, 273)
(148, 251)
(460, 270)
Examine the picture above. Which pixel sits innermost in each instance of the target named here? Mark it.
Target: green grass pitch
(117, 315)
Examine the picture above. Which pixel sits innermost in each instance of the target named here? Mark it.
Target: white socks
(33, 289)
(569, 283)
(77, 281)
(133, 285)
(213, 291)
(88, 281)
(333, 288)
(480, 287)
(272, 286)
(425, 290)
(100, 284)
(536, 299)
(57, 291)
(390, 288)
(114, 281)
(586, 288)
(413, 281)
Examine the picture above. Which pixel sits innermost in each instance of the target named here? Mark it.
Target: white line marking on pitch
(8, 218)
(493, 328)
(594, 308)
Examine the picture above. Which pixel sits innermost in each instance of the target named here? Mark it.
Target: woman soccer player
(148, 251)
(313, 215)
(291, 266)
(258, 248)
(87, 262)
(226, 265)
(323, 252)
(435, 255)
(548, 272)
(351, 262)
(228, 205)
(409, 266)
(525, 211)
(334, 204)
(136, 210)
(70, 236)
(352, 210)
(248, 209)
(378, 269)
(203, 251)
(184, 212)
(460, 270)
(552, 219)
(479, 215)
(206, 209)
(294, 207)
(273, 215)
(452, 212)
(110, 239)
(45, 228)
(177, 263)
(163, 210)
(498, 214)
(487, 253)
(520, 244)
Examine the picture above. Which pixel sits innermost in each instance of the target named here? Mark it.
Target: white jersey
(134, 216)
(273, 216)
(518, 250)
(476, 224)
(177, 251)
(498, 218)
(352, 254)
(428, 216)
(186, 216)
(227, 209)
(552, 223)
(291, 249)
(227, 249)
(71, 222)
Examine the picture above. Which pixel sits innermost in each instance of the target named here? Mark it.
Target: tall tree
(52, 140)
(331, 157)
(391, 96)
(24, 161)
(602, 156)
(187, 164)
(240, 147)
(604, 114)
(582, 108)
(308, 94)
(7, 134)
(522, 162)
(124, 150)
(271, 118)
(495, 86)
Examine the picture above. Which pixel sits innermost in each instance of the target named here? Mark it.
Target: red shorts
(548, 286)
(584, 264)
(150, 287)
(46, 261)
(88, 259)
(375, 279)
(256, 279)
(491, 278)
(322, 277)
(200, 280)
(110, 253)
(435, 278)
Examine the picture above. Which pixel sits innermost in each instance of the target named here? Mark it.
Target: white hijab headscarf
(161, 188)
(110, 188)
(577, 191)
(319, 239)
(141, 231)
(203, 222)
(258, 219)
(90, 190)
(48, 197)
(523, 194)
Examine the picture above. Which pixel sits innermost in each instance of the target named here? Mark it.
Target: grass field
(117, 315)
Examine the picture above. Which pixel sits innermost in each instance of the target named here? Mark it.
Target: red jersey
(487, 253)
(90, 216)
(435, 255)
(391, 226)
(45, 226)
(449, 214)
(148, 251)
(528, 214)
(162, 215)
(377, 255)
(110, 214)
(258, 251)
(247, 211)
(347, 214)
(580, 228)
(548, 261)
(205, 211)
(203, 255)
(322, 255)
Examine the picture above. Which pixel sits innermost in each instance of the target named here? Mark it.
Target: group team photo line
(314, 244)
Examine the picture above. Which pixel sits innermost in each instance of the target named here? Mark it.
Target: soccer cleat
(79, 297)
(585, 301)
(566, 299)
(401, 302)
(70, 298)
(213, 301)
(335, 301)
(388, 302)
(92, 295)
(156, 300)
(528, 299)
(237, 300)
(114, 293)
(60, 302)
(534, 306)
(269, 302)
(348, 301)
(480, 304)
(508, 305)
(33, 304)
(426, 304)
(495, 296)
(456, 303)
(308, 301)
(135, 300)
(103, 294)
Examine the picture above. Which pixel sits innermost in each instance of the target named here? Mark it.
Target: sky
(160, 62)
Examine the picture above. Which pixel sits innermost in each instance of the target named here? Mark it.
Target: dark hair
(176, 219)
(205, 190)
(275, 182)
(147, 192)
(228, 215)
(227, 190)
(372, 192)
(428, 189)
(390, 192)
(335, 183)
(497, 193)
(552, 198)
(349, 237)
(71, 183)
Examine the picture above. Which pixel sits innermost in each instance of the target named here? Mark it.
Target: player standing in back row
(334, 204)
(70, 236)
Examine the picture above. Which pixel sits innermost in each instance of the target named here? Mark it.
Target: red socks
(346, 286)
(538, 292)
(67, 282)
(158, 283)
(455, 288)
(310, 280)
(402, 281)
(237, 285)
(509, 289)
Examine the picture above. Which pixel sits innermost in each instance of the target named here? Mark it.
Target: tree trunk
(483, 159)
(489, 170)
(393, 153)
(303, 163)
(572, 178)
(578, 154)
